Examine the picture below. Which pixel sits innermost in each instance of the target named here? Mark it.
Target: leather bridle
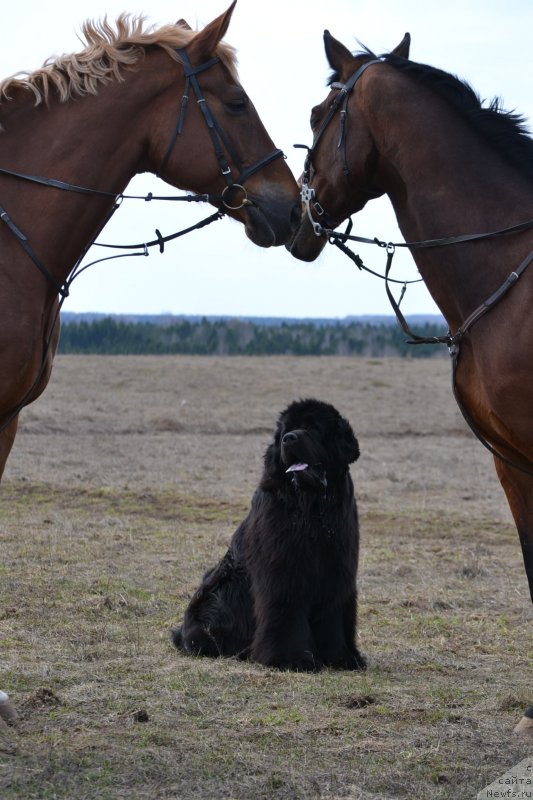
(227, 200)
(339, 104)
(453, 341)
(218, 137)
(220, 141)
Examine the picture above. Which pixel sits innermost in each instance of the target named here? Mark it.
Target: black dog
(284, 594)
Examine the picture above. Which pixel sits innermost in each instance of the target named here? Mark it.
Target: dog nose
(290, 437)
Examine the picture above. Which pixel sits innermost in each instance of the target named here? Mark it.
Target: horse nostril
(290, 437)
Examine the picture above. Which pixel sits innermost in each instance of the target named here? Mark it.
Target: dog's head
(312, 444)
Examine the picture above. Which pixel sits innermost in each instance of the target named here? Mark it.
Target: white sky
(283, 68)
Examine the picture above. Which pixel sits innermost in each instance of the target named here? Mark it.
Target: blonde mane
(107, 53)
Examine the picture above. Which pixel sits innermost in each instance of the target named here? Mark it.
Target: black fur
(285, 592)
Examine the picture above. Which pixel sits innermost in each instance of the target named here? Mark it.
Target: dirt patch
(127, 481)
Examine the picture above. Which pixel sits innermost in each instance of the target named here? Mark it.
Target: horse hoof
(525, 726)
(7, 712)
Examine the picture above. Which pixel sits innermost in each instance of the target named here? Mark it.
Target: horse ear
(205, 42)
(182, 23)
(402, 49)
(336, 52)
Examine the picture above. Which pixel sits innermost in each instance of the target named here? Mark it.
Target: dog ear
(271, 460)
(346, 442)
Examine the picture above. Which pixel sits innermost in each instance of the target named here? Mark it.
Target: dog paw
(350, 661)
(356, 661)
(298, 662)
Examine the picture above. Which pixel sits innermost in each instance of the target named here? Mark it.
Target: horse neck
(450, 182)
(96, 141)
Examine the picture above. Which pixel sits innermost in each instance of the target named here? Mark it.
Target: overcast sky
(283, 68)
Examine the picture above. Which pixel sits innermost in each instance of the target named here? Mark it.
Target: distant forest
(231, 337)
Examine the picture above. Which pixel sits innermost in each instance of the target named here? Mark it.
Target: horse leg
(7, 437)
(518, 488)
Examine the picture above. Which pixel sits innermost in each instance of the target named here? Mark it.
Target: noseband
(340, 103)
(229, 197)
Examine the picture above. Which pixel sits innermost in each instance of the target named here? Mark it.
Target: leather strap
(24, 243)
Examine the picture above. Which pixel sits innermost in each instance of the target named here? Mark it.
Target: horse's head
(207, 137)
(342, 168)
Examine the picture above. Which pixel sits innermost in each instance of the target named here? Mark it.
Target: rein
(64, 289)
(453, 341)
(227, 200)
(339, 239)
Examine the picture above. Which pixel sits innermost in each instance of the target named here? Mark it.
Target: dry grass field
(126, 482)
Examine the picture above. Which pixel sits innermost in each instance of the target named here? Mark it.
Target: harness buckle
(453, 346)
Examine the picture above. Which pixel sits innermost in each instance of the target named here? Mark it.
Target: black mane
(506, 131)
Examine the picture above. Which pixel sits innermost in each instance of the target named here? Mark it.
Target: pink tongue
(297, 467)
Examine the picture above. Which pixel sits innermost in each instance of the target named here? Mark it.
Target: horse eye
(237, 106)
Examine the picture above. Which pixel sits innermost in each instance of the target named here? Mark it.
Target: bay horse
(460, 179)
(74, 133)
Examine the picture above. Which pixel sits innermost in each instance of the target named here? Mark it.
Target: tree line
(228, 337)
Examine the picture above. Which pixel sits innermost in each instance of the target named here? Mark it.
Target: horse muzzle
(306, 244)
(270, 221)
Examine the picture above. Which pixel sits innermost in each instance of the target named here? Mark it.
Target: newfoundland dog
(284, 594)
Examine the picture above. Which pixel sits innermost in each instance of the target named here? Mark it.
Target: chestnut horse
(451, 169)
(74, 133)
